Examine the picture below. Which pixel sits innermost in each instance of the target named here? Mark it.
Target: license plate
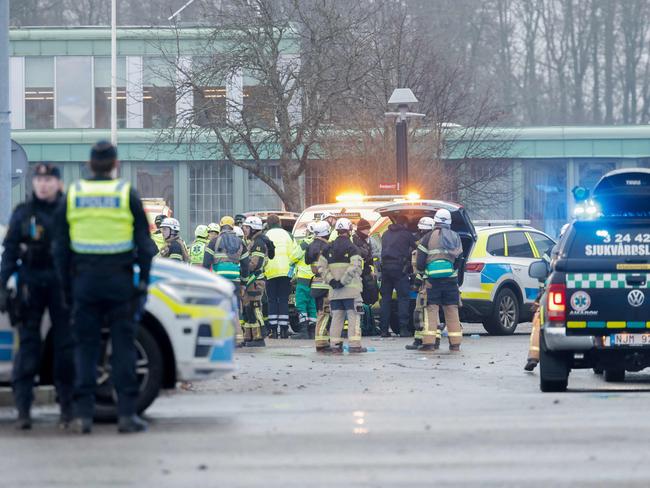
(627, 340)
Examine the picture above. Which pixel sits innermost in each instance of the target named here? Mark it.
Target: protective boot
(531, 364)
(255, 343)
(357, 349)
(284, 332)
(273, 332)
(416, 344)
(336, 349)
(454, 347)
(428, 347)
(306, 332)
(311, 330)
(82, 425)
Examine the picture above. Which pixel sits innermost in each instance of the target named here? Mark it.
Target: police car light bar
(493, 223)
(358, 197)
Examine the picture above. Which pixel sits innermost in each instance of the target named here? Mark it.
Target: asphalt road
(391, 417)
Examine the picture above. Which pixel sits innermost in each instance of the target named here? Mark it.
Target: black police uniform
(27, 251)
(103, 290)
(397, 244)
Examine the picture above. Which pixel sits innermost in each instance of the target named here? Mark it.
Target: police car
(497, 290)
(187, 333)
(595, 311)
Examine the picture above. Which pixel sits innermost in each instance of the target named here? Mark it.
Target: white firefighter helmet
(442, 217)
(322, 229)
(172, 224)
(343, 224)
(426, 223)
(238, 231)
(254, 222)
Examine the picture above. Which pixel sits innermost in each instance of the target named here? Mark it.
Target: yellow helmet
(227, 220)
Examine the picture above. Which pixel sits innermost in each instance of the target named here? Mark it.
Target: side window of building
(543, 243)
(495, 245)
(518, 245)
(39, 92)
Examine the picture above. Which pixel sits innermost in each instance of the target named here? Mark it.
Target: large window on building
(589, 172)
(156, 181)
(260, 195)
(545, 199)
(39, 93)
(74, 92)
(158, 93)
(102, 83)
(209, 93)
(257, 107)
(210, 192)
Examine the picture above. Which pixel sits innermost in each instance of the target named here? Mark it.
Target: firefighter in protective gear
(156, 235)
(254, 282)
(226, 255)
(340, 265)
(319, 288)
(174, 247)
(102, 233)
(419, 286)
(305, 303)
(213, 231)
(437, 258)
(330, 218)
(533, 350)
(197, 250)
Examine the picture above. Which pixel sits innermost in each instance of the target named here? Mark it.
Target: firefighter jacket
(341, 263)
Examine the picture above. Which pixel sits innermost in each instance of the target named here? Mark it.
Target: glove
(336, 284)
(4, 299)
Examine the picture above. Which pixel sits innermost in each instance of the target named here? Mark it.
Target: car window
(544, 244)
(495, 245)
(518, 246)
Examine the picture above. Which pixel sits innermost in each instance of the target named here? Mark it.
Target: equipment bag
(440, 268)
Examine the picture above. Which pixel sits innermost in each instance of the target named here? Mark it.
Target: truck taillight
(556, 302)
(474, 267)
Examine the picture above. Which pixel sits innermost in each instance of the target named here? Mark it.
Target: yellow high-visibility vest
(99, 216)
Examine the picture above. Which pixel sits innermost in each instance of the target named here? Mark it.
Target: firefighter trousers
(452, 320)
(341, 309)
(533, 349)
(321, 334)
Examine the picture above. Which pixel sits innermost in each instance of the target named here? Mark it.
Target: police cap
(47, 169)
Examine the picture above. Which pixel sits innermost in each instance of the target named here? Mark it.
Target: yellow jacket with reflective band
(303, 270)
(279, 265)
(158, 239)
(197, 251)
(99, 216)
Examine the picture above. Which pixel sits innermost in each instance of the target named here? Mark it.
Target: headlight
(191, 294)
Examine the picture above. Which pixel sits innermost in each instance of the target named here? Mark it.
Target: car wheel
(149, 370)
(614, 375)
(505, 314)
(553, 372)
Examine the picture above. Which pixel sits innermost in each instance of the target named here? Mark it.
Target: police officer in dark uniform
(397, 244)
(102, 233)
(27, 251)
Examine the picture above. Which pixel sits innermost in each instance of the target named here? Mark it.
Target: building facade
(60, 106)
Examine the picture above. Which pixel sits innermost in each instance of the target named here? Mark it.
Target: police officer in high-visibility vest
(102, 234)
(197, 249)
(319, 289)
(437, 259)
(254, 282)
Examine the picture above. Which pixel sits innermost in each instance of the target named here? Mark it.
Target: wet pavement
(288, 417)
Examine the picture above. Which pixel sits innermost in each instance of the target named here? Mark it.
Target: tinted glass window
(543, 243)
(495, 245)
(518, 246)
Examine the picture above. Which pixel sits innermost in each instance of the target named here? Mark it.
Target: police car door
(520, 254)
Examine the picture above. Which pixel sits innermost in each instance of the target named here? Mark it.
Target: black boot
(82, 425)
(65, 418)
(357, 349)
(24, 421)
(531, 364)
(255, 343)
(131, 424)
(311, 330)
(273, 332)
(284, 332)
(304, 332)
(416, 344)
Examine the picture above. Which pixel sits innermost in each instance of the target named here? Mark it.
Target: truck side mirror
(539, 270)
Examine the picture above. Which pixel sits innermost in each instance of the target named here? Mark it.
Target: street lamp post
(114, 72)
(402, 97)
